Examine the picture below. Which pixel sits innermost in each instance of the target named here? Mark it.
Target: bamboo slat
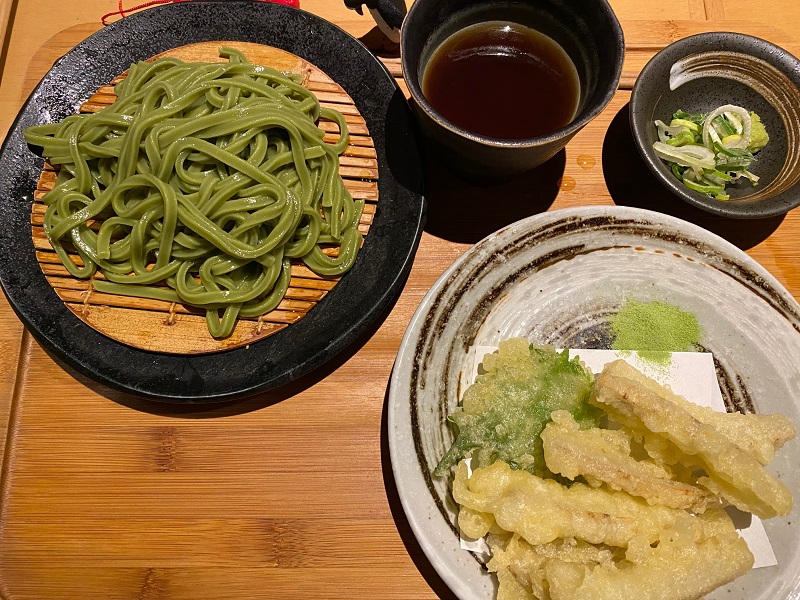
(168, 327)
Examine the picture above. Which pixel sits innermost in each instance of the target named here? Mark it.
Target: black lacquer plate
(355, 302)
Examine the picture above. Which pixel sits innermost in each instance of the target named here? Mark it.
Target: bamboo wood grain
(288, 494)
(231, 544)
(172, 327)
(6, 13)
(11, 331)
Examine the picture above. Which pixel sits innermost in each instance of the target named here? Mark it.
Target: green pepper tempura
(508, 406)
(709, 151)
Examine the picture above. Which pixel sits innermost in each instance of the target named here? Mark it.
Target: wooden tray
(284, 496)
(171, 327)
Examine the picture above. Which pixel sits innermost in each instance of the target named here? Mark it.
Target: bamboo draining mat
(290, 494)
(171, 327)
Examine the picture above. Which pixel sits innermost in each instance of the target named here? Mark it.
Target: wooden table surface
(288, 494)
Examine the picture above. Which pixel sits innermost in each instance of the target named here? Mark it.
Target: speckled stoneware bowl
(713, 69)
(556, 278)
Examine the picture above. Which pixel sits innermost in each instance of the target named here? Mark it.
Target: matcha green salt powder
(654, 329)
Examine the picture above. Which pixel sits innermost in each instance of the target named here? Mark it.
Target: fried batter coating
(505, 410)
(604, 456)
(649, 524)
(521, 568)
(689, 560)
(680, 567)
(473, 523)
(736, 474)
(759, 435)
(543, 510)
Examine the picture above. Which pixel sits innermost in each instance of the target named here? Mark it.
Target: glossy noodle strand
(199, 185)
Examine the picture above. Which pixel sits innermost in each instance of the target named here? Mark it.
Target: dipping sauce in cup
(501, 86)
(528, 85)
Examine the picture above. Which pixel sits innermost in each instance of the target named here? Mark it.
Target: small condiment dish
(703, 72)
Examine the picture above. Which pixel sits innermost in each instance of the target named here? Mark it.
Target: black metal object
(388, 14)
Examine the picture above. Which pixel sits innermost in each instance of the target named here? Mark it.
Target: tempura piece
(505, 410)
(604, 456)
(474, 524)
(643, 405)
(509, 587)
(680, 566)
(759, 435)
(543, 510)
(520, 567)
(689, 560)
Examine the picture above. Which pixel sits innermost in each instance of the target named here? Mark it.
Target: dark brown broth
(502, 80)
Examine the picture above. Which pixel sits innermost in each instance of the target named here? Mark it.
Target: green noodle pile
(207, 178)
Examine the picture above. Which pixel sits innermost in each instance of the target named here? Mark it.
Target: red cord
(121, 11)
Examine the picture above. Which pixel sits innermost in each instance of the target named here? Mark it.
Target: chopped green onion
(710, 189)
(720, 175)
(736, 121)
(710, 132)
(709, 151)
(688, 156)
(667, 132)
(684, 138)
(722, 126)
(753, 178)
(734, 162)
(692, 126)
(699, 118)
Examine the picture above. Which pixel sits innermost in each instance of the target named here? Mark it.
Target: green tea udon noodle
(206, 180)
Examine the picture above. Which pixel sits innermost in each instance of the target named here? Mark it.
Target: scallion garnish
(708, 151)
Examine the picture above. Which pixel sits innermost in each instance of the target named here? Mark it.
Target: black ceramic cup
(587, 30)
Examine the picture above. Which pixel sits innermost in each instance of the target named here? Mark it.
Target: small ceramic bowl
(702, 72)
